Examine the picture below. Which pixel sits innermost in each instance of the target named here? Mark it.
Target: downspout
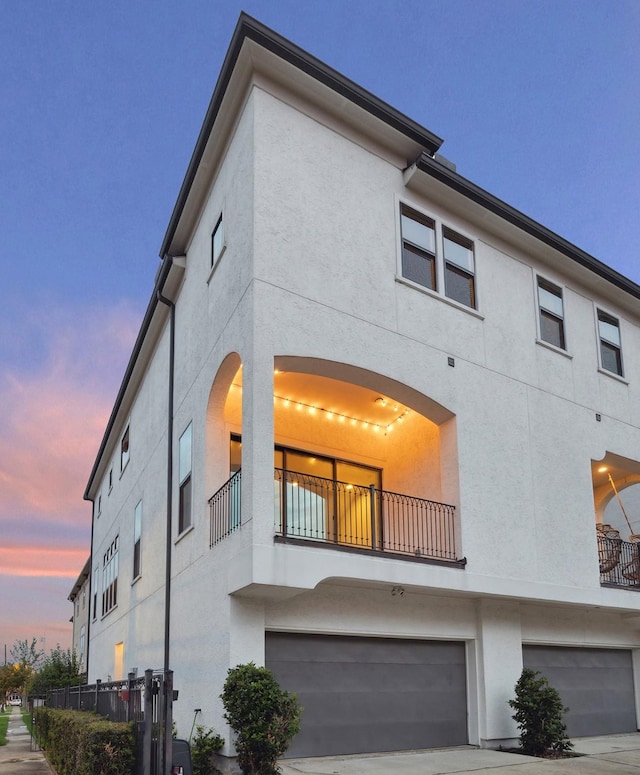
(166, 750)
(167, 596)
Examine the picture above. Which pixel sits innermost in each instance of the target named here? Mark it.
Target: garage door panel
(595, 684)
(371, 694)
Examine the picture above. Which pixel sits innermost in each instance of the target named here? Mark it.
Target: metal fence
(146, 701)
(224, 509)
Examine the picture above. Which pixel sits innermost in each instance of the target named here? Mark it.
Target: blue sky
(537, 102)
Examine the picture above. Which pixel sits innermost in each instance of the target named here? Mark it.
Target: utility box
(181, 764)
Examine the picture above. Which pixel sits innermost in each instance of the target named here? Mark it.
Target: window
(110, 577)
(459, 268)
(99, 504)
(551, 311)
(217, 242)
(82, 642)
(110, 479)
(96, 577)
(610, 345)
(124, 450)
(184, 473)
(418, 247)
(451, 269)
(137, 532)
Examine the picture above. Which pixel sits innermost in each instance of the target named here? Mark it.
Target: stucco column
(257, 443)
(499, 659)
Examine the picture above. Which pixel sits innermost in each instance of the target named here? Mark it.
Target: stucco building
(374, 405)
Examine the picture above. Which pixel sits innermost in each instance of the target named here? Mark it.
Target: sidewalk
(17, 756)
(608, 755)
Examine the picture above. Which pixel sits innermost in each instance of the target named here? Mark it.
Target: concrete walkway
(609, 755)
(17, 757)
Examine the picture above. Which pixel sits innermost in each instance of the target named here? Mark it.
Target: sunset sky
(538, 102)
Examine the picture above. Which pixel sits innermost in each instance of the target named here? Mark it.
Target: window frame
(110, 572)
(444, 267)
(416, 250)
(125, 450)
(542, 283)
(602, 316)
(217, 251)
(185, 484)
(137, 540)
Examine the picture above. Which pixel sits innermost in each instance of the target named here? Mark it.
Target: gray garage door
(596, 684)
(371, 694)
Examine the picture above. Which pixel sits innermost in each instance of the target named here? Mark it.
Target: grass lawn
(27, 720)
(4, 723)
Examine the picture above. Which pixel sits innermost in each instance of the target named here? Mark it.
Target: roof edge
(251, 29)
(498, 207)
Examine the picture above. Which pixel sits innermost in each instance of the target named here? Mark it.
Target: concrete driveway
(609, 755)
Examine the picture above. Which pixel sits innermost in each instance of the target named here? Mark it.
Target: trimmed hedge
(81, 743)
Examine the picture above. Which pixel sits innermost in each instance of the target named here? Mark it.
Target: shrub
(205, 743)
(82, 743)
(264, 717)
(538, 714)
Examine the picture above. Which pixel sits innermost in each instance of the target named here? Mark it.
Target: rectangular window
(610, 344)
(110, 479)
(418, 248)
(124, 450)
(551, 312)
(99, 504)
(82, 644)
(96, 579)
(459, 268)
(217, 242)
(110, 577)
(184, 473)
(137, 533)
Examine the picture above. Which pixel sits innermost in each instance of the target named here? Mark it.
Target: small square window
(217, 242)
(610, 343)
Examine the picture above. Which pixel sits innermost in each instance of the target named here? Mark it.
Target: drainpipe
(166, 750)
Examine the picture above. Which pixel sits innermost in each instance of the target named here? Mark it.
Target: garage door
(596, 685)
(362, 695)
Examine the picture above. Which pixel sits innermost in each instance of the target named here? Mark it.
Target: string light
(331, 414)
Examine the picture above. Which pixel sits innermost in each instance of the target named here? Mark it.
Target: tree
(26, 653)
(60, 668)
(538, 713)
(264, 717)
(12, 679)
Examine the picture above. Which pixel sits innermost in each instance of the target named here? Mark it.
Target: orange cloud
(41, 561)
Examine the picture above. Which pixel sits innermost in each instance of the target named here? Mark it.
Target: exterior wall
(311, 270)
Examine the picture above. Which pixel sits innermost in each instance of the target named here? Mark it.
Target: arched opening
(360, 460)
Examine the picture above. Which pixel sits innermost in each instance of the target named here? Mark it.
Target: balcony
(316, 511)
(619, 560)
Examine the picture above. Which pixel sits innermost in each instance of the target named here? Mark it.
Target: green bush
(538, 714)
(81, 743)
(264, 717)
(205, 743)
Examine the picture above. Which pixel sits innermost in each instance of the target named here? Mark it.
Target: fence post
(372, 495)
(95, 704)
(167, 713)
(147, 737)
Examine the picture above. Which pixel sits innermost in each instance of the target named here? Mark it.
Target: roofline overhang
(493, 204)
(161, 278)
(249, 28)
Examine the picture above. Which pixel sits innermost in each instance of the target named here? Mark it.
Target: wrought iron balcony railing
(619, 560)
(314, 509)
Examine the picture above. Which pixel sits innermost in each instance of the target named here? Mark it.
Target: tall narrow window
(418, 247)
(551, 311)
(124, 450)
(217, 242)
(610, 344)
(83, 631)
(459, 268)
(184, 472)
(96, 579)
(137, 533)
(110, 577)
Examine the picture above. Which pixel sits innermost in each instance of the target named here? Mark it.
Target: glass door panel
(353, 504)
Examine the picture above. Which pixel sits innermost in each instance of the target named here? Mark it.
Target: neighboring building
(373, 402)
(79, 597)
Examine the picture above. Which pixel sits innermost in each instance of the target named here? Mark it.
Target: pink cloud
(54, 416)
(41, 561)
